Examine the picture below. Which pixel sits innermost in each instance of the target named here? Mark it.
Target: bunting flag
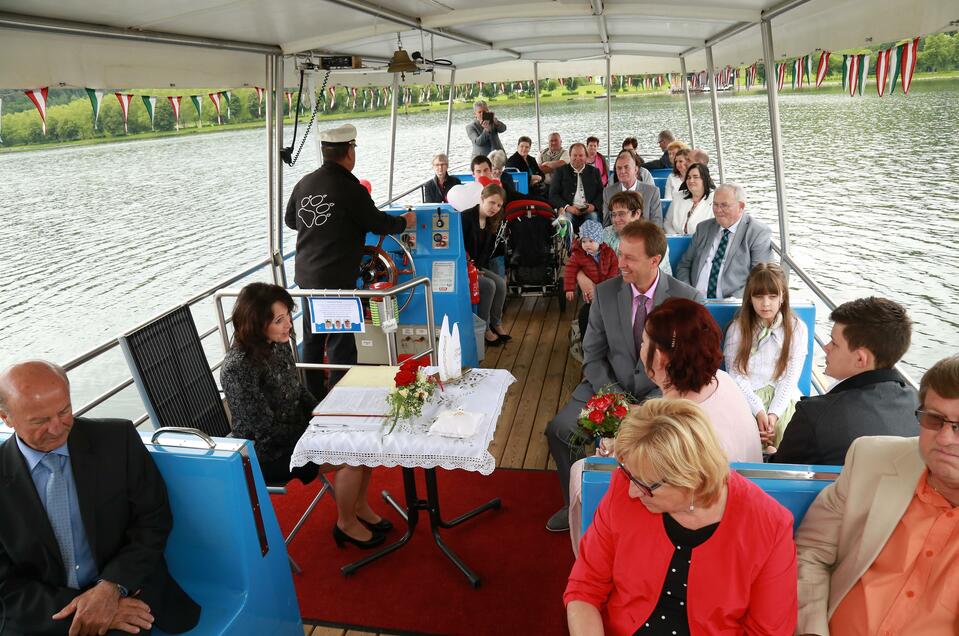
(353, 93)
(39, 98)
(907, 56)
(150, 101)
(332, 91)
(96, 100)
(289, 102)
(863, 72)
(807, 69)
(853, 78)
(562, 82)
(198, 105)
(882, 70)
(895, 58)
(259, 99)
(781, 75)
(797, 73)
(226, 95)
(823, 68)
(175, 104)
(215, 98)
(124, 100)
(846, 62)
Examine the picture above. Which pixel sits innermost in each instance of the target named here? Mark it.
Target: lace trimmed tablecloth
(478, 391)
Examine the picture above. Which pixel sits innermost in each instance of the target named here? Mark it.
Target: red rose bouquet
(602, 415)
(413, 387)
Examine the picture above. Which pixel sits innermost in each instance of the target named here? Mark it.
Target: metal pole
(609, 112)
(772, 94)
(279, 276)
(710, 69)
(270, 157)
(689, 106)
(449, 111)
(539, 134)
(393, 105)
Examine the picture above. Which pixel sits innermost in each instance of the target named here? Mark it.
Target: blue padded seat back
(662, 173)
(661, 184)
(677, 247)
(723, 313)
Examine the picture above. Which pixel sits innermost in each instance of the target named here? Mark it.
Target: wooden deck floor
(538, 357)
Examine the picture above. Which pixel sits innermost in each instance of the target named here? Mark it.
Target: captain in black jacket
(577, 188)
(84, 519)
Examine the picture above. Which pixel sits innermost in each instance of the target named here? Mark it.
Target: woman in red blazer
(679, 544)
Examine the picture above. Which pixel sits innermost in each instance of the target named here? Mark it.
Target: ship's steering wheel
(378, 264)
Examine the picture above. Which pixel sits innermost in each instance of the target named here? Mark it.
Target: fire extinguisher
(473, 274)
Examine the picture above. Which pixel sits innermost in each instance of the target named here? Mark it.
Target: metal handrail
(415, 188)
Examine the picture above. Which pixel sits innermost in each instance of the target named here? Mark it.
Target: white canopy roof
(498, 41)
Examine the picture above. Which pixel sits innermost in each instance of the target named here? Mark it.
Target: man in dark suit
(725, 249)
(577, 188)
(869, 336)
(84, 519)
(612, 341)
(665, 138)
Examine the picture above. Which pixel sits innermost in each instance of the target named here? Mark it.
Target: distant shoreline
(582, 93)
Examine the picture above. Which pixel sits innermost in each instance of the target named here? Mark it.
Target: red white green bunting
(96, 100)
(175, 103)
(259, 99)
(846, 63)
(1, 120)
(882, 70)
(289, 101)
(331, 90)
(863, 72)
(807, 68)
(150, 101)
(823, 68)
(198, 105)
(853, 78)
(907, 56)
(797, 73)
(124, 99)
(215, 98)
(781, 75)
(226, 95)
(353, 94)
(39, 98)
(895, 55)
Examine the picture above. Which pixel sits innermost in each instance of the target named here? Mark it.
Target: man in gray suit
(484, 130)
(725, 249)
(628, 171)
(612, 341)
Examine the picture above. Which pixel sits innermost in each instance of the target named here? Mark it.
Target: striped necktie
(58, 511)
(717, 264)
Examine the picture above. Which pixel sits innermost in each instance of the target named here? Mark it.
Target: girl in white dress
(765, 350)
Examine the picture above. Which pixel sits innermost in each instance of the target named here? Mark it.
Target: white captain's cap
(340, 135)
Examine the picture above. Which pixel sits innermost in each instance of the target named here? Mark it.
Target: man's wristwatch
(122, 590)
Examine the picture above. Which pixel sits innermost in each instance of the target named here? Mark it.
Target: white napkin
(459, 423)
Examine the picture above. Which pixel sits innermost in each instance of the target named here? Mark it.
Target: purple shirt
(647, 296)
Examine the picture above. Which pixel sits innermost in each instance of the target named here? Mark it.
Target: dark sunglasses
(643, 488)
(934, 421)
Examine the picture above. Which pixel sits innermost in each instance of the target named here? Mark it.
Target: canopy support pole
(539, 134)
(714, 102)
(689, 106)
(393, 106)
(609, 112)
(279, 273)
(270, 83)
(449, 112)
(772, 95)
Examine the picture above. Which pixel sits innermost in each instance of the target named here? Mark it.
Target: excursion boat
(227, 548)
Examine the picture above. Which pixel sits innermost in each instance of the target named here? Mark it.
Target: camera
(488, 116)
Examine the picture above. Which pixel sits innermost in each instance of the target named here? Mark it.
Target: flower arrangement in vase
(413, 387)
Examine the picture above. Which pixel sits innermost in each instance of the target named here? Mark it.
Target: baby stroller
(537, 244)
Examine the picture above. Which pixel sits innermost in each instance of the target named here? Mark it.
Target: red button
(928, 553)
(910, 594)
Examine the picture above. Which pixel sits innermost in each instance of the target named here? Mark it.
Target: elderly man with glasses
(877, 550)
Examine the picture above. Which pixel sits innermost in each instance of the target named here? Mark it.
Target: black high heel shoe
(383, 525)
(505, 337)
(341, 537)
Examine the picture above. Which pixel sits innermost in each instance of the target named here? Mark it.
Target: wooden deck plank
(537, 453)
(514, 455)
(520, 354)
(321, 630)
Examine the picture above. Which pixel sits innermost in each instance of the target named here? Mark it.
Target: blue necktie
(58, 510)
(717, 265)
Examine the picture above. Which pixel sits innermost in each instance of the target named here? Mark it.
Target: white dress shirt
(671, 191)
(762, 365)
(579, 197)
(702, 282)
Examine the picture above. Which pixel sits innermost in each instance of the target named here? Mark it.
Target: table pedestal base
(411, 515)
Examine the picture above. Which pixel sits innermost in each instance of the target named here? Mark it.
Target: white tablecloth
(479, 391)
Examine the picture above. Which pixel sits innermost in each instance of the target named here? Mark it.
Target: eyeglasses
(724, 206)
(643, 488)
(622, 213)
(934, 421)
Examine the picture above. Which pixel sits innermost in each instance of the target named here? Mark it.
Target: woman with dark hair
(525, 162)
(696, 204)
(596, 159)
(270, 406)
(765, 349)
(481, 225)
(682, 354)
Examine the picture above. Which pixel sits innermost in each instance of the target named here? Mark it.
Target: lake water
(97, 239)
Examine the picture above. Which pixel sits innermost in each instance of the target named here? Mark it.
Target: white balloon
(465, 195)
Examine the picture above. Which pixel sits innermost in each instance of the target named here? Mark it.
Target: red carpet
(417, 589)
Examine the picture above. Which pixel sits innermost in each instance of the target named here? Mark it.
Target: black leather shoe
(505, 337)
(383, 525)
(341, 537)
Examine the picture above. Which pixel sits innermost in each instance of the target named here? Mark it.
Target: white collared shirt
(579, 197)
(702, 282)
